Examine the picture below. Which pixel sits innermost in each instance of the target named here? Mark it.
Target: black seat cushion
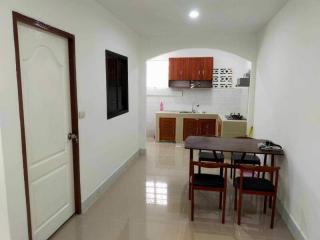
(255, 184)
(210, 157)
(208, 180)
(248, 159)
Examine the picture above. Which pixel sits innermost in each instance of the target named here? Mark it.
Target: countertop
(202, 114)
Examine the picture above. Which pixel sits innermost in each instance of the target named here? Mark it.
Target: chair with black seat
(256, 186)
(210, 156)
(243, 159)
(210, 182)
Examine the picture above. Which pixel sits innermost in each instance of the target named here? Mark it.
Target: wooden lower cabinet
(167, 129)
(199, 127)
(207, 127)
(190, 127)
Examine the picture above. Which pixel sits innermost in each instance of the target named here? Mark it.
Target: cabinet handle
(199, 72)
(202, 72)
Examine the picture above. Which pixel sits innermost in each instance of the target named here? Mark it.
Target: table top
(228, 145)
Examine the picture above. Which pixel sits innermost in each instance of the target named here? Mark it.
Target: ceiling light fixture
(194, 14)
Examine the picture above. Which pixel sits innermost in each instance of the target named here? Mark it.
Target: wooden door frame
(17, 17)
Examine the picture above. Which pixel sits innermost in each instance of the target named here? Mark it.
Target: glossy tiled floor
(149, 202)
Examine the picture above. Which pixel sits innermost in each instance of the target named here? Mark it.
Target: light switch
(82, 115)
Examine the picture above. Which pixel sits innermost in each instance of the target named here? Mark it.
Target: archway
(221, 99)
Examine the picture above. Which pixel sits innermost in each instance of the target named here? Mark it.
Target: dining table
(232, 145)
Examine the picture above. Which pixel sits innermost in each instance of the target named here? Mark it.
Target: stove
(235, 116)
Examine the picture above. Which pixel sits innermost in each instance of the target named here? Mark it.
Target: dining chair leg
(220, 200)
(234, 171)
(199, 169)
(224, 206)
(273, 210)
(190, 186)
(231, 170)
(235, 198)
(192, 204)
(270, 202)
(239, 207)
(190, 171)
(265, 204)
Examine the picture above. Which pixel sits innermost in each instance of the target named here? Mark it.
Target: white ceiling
(165, 17)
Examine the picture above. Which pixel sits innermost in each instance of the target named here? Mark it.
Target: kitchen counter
(224, 127)
(187, 114)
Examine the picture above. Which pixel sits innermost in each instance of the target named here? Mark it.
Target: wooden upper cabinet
(191, 69)
(178, 69)
(207, 69)
(174, 69)
(195, 69)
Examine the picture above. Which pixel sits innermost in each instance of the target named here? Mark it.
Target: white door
(47, 115)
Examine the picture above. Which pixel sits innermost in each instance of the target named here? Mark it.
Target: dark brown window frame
(17, 17)
(112, 115)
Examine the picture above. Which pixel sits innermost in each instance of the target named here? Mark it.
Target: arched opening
(229, 92)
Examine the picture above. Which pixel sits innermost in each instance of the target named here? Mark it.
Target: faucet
(194, 110)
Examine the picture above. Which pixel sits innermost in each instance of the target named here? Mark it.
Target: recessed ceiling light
(194, 14)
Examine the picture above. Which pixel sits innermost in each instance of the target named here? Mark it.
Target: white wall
(220, 101)
(241, 44)
(4, 218)
(104, 144)
(287, 108)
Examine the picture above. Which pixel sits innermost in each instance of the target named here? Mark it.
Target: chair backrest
(210, 165)
(259, 169)
(214, 152)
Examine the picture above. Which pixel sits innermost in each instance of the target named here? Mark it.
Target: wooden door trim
(17, 17)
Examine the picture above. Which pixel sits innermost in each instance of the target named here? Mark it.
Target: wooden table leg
(190, 167)
(271, 178)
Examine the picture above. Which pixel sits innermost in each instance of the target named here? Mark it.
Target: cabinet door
(190, 127)
(178, 69)
(207, 69)
(195, 68)
(173, 69)
(167, 129)
(207, 127)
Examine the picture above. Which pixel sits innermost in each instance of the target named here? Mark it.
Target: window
(117, 84)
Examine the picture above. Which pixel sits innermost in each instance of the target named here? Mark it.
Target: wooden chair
(211, 156)
(256, 186)
(243, 158)
(209, 182)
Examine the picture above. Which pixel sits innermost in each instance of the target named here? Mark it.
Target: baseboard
(142, 151)
(105, 185)
(291, 223)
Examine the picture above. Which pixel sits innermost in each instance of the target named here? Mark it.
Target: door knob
(73, 137)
